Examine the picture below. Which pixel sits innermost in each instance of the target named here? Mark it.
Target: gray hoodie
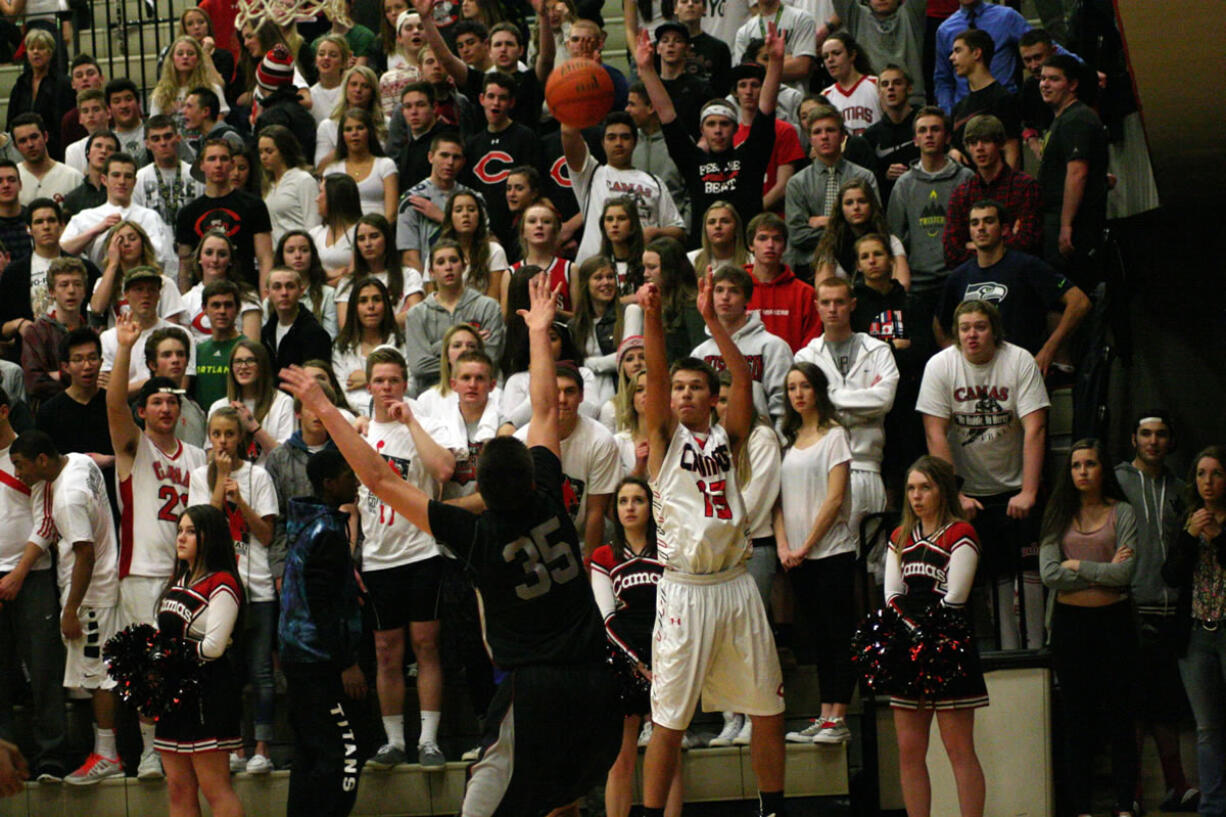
(428, 321)
(916, 213)
(1159, 508)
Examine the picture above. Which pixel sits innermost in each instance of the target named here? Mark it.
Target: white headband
(719, 108)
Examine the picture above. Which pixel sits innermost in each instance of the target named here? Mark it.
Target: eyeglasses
(84, 359)
(242, 362)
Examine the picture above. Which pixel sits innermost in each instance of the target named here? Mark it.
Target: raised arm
(434, 38)
(738, 419)
(125, 434)
(574, 148)
(542, 377)
(548, 52)
(774, 71)
(657, 408)
(369, 467)
(644, 58)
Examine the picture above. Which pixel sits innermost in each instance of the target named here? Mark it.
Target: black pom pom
(153, 671)
(633, 690)
(879, 650)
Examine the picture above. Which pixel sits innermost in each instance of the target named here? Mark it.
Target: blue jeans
(259, 636)
(1204, 678)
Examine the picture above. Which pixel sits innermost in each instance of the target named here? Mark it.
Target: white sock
(429, 726)
(104, 743)
(146, 737)
(394, 726)
(729, 717)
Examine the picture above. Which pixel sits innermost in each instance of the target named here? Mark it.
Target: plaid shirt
(1019, 194)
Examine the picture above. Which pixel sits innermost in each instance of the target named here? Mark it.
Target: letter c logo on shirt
(560, 173)
(483, 170)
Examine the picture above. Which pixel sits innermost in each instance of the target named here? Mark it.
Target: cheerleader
(201, 606)
(624, 578)
(931, 561)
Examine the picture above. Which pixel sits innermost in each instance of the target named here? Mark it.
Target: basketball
(579, 92)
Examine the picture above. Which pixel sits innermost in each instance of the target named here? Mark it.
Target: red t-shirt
(787, 150)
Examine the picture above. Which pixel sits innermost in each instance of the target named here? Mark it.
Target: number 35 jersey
(536, 601)
(700, 518)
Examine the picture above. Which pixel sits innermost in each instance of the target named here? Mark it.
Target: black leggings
(1094, 652)
(825, 616)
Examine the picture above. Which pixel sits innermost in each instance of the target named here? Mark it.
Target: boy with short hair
(784, 302)
(40, 341)
(220, 299)
(292, 334)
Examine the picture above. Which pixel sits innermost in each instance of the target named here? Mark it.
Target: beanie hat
(275, 70)
(628, 343)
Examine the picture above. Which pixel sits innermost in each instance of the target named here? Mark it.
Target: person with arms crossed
(88, 583)
(712, 636)
(984, 408)
(153, 471)
(554, 727)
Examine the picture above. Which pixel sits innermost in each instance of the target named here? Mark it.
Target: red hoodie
(787, 308)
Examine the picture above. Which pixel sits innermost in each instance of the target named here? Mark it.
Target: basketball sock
(771, 803)
(394, 726)
(104, 743)
(429, 726)
(147, 731)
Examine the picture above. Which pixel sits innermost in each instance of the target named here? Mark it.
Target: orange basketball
(579, 92)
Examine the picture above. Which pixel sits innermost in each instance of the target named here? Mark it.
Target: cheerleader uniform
(204, 614)
(625, 592)
(928, 570)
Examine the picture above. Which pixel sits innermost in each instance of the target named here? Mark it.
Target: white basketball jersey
(151, 500)
(700, 517)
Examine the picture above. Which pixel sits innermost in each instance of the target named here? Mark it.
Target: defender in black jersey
(554, 726)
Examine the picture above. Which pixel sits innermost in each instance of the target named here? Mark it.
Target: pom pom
(633, 690)
(880, 650)
(153, 671)
(941, 648)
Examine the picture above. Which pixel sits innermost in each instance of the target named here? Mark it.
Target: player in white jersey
(712, 636)
(88, 580)
(153, 473)
(402, 565)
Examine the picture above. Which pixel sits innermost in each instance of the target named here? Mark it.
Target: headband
(719, 108)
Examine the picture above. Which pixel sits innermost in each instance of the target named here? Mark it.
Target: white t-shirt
(82, 513)
(984, 404)
(132, 142)
(323, 101)
(291, 203)
(370, 189)
(798, 27)
(595, 183)
(337, 255)
(722, 20)
(859, 104)
(23, 512)
(74, 156)
(591, 464)
(136, 366)
(390, 539)
(56, 183)
(170, 302)
(158, 231)
(256, 488)
(40, 296)
(804, 479)
(198, 322)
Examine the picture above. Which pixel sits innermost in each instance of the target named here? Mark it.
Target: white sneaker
(258, 764)
(745, 735)
(689, 740)
(833, 732)
(645, 733)
(805, 735)
(95, 768)
(238, 763)
(471, 755)
(150, 767)
(733, 721)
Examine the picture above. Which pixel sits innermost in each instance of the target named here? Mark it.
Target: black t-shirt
(238, 214)
(711, 61)
(996, 100)
(528, 567)
(734, 175)
(79, 429)
(1022, 287)
(892, 144)
(1077, 133)
(491, 156)
(527, 110)
(688, 94)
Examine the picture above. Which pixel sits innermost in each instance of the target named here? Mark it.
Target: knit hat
(629, 342)
(276, 69)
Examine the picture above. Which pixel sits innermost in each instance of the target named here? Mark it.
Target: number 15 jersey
(700, 518)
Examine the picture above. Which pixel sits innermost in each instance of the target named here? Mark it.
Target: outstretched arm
(369, 467)
(738, 419)
(774, 71)
(454, 66)
(657, 409)
(644, 58)
(542, 377)
(547, 54)
(125, 434)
